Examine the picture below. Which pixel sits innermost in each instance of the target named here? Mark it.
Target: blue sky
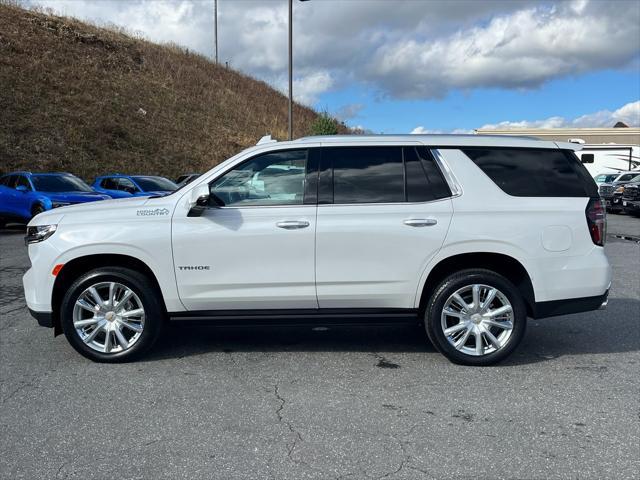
(416, 65)
(466, 110)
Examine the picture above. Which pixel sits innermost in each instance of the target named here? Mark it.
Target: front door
(256, 251)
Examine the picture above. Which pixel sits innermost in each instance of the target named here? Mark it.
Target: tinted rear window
(534, 172)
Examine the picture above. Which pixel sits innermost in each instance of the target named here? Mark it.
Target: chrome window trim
(382, 203)
(450, 178)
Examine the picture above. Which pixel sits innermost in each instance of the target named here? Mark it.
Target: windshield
(152, 184)
(59, 183)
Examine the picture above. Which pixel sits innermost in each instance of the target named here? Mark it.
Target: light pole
(291, 68)
(215, 16)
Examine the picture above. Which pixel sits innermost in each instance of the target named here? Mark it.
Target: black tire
(459, 280)
(37, 208)
(142, 286)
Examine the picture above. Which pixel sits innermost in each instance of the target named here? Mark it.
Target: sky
(421, 66)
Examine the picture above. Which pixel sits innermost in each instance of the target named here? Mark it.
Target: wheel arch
(80, 265)
(500, 263)
(38, 201)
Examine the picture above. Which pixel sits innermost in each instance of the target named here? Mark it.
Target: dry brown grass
(71, 94)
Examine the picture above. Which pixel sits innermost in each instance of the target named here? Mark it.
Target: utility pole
(290, 69)
(215, 16)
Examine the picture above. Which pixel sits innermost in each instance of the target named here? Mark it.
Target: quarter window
(276, 178)
(424, 179)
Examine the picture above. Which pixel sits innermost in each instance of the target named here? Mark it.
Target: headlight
(59, 204)
(39, 233)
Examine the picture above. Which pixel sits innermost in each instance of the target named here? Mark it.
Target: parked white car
(468, 234)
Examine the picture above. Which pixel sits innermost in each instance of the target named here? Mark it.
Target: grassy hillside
(89, 100)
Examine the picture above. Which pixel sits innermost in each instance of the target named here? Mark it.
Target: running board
(306, 317)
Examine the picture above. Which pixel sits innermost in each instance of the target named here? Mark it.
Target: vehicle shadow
(614, 330)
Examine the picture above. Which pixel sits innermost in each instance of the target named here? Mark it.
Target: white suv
(468, 234)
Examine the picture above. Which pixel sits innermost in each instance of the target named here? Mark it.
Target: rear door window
(23, 182)
(109, 184)
(534, 172)
(366, 174)
(126, 185)
(380, 174)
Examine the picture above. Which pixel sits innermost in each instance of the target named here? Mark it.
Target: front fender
(160, 265)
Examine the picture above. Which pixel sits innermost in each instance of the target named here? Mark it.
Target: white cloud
(523, 49)
(413, 49)
(349, 111)
(306, 89)
(629, 114)
(420, 130)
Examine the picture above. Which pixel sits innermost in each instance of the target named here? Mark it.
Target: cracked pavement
(341, 403)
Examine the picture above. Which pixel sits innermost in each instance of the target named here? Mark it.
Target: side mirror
(199, 200)
(587, 158)
(22, 188)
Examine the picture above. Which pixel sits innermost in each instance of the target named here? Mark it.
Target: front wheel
(112, 314)
(476, 317)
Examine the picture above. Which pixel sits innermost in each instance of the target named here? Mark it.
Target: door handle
(420, 222)
(292, 224)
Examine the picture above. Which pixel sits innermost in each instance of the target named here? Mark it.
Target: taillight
(597, 220)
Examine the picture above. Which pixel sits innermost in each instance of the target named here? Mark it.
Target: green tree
(325, 124)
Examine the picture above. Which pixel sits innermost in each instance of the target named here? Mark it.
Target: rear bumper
(572, 305)
(45, 319)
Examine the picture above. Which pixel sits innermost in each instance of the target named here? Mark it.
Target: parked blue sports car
(24, 194)
(124, 186)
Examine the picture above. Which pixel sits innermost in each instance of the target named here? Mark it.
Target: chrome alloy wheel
(108, 317)
(477, 319)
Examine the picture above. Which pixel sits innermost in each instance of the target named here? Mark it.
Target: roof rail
(266, 139)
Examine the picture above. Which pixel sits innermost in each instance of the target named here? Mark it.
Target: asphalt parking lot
(345, 403)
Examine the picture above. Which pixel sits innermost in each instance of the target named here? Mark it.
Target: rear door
(383, 213)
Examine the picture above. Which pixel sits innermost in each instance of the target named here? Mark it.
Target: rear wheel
(112, 314)
(476, 317)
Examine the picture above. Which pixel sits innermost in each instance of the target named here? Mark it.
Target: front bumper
(631, 205)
